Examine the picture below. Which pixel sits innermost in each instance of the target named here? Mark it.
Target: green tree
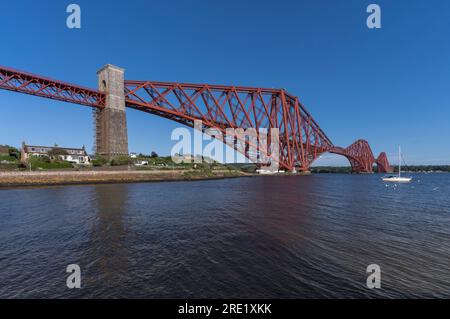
(14, 152)
(99, 161)
(121, 160)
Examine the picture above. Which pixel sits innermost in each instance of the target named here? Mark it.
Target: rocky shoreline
(47, 178)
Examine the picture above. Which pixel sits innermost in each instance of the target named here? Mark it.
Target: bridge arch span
(361, 157)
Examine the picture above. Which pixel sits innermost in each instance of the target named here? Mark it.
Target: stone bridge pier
(111, 137)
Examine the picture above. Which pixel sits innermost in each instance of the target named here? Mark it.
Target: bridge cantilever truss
(222, 107)
(301, 140)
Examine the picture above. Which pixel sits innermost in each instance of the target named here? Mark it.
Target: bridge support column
(111, 138)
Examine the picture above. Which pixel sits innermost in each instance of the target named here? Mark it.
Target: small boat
(397, 178)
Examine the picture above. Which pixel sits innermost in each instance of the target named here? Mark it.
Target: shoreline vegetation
(44, 171)
(53, 170)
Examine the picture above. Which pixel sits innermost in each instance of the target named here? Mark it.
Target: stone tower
(111, 137)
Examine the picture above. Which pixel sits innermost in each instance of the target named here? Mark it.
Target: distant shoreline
(61, 178)
(15, 179)
(409, 169)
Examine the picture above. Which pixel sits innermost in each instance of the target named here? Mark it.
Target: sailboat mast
(399, 160)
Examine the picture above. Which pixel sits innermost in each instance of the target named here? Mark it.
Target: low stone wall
(88, 177)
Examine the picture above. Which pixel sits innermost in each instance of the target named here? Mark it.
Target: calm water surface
(280, 237)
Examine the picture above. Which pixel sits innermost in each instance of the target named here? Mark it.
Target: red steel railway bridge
(301, 140)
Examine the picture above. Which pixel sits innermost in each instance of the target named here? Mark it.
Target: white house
(72, 155)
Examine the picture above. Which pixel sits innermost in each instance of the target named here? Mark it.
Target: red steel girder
(220, 106)
(22, 82)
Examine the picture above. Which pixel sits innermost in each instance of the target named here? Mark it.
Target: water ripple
(262, 237)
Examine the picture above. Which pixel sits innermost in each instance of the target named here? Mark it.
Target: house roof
(38, 148)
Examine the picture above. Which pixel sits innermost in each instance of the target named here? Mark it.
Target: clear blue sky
(388, 86)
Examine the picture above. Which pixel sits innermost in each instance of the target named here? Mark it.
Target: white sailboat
(398, 178)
